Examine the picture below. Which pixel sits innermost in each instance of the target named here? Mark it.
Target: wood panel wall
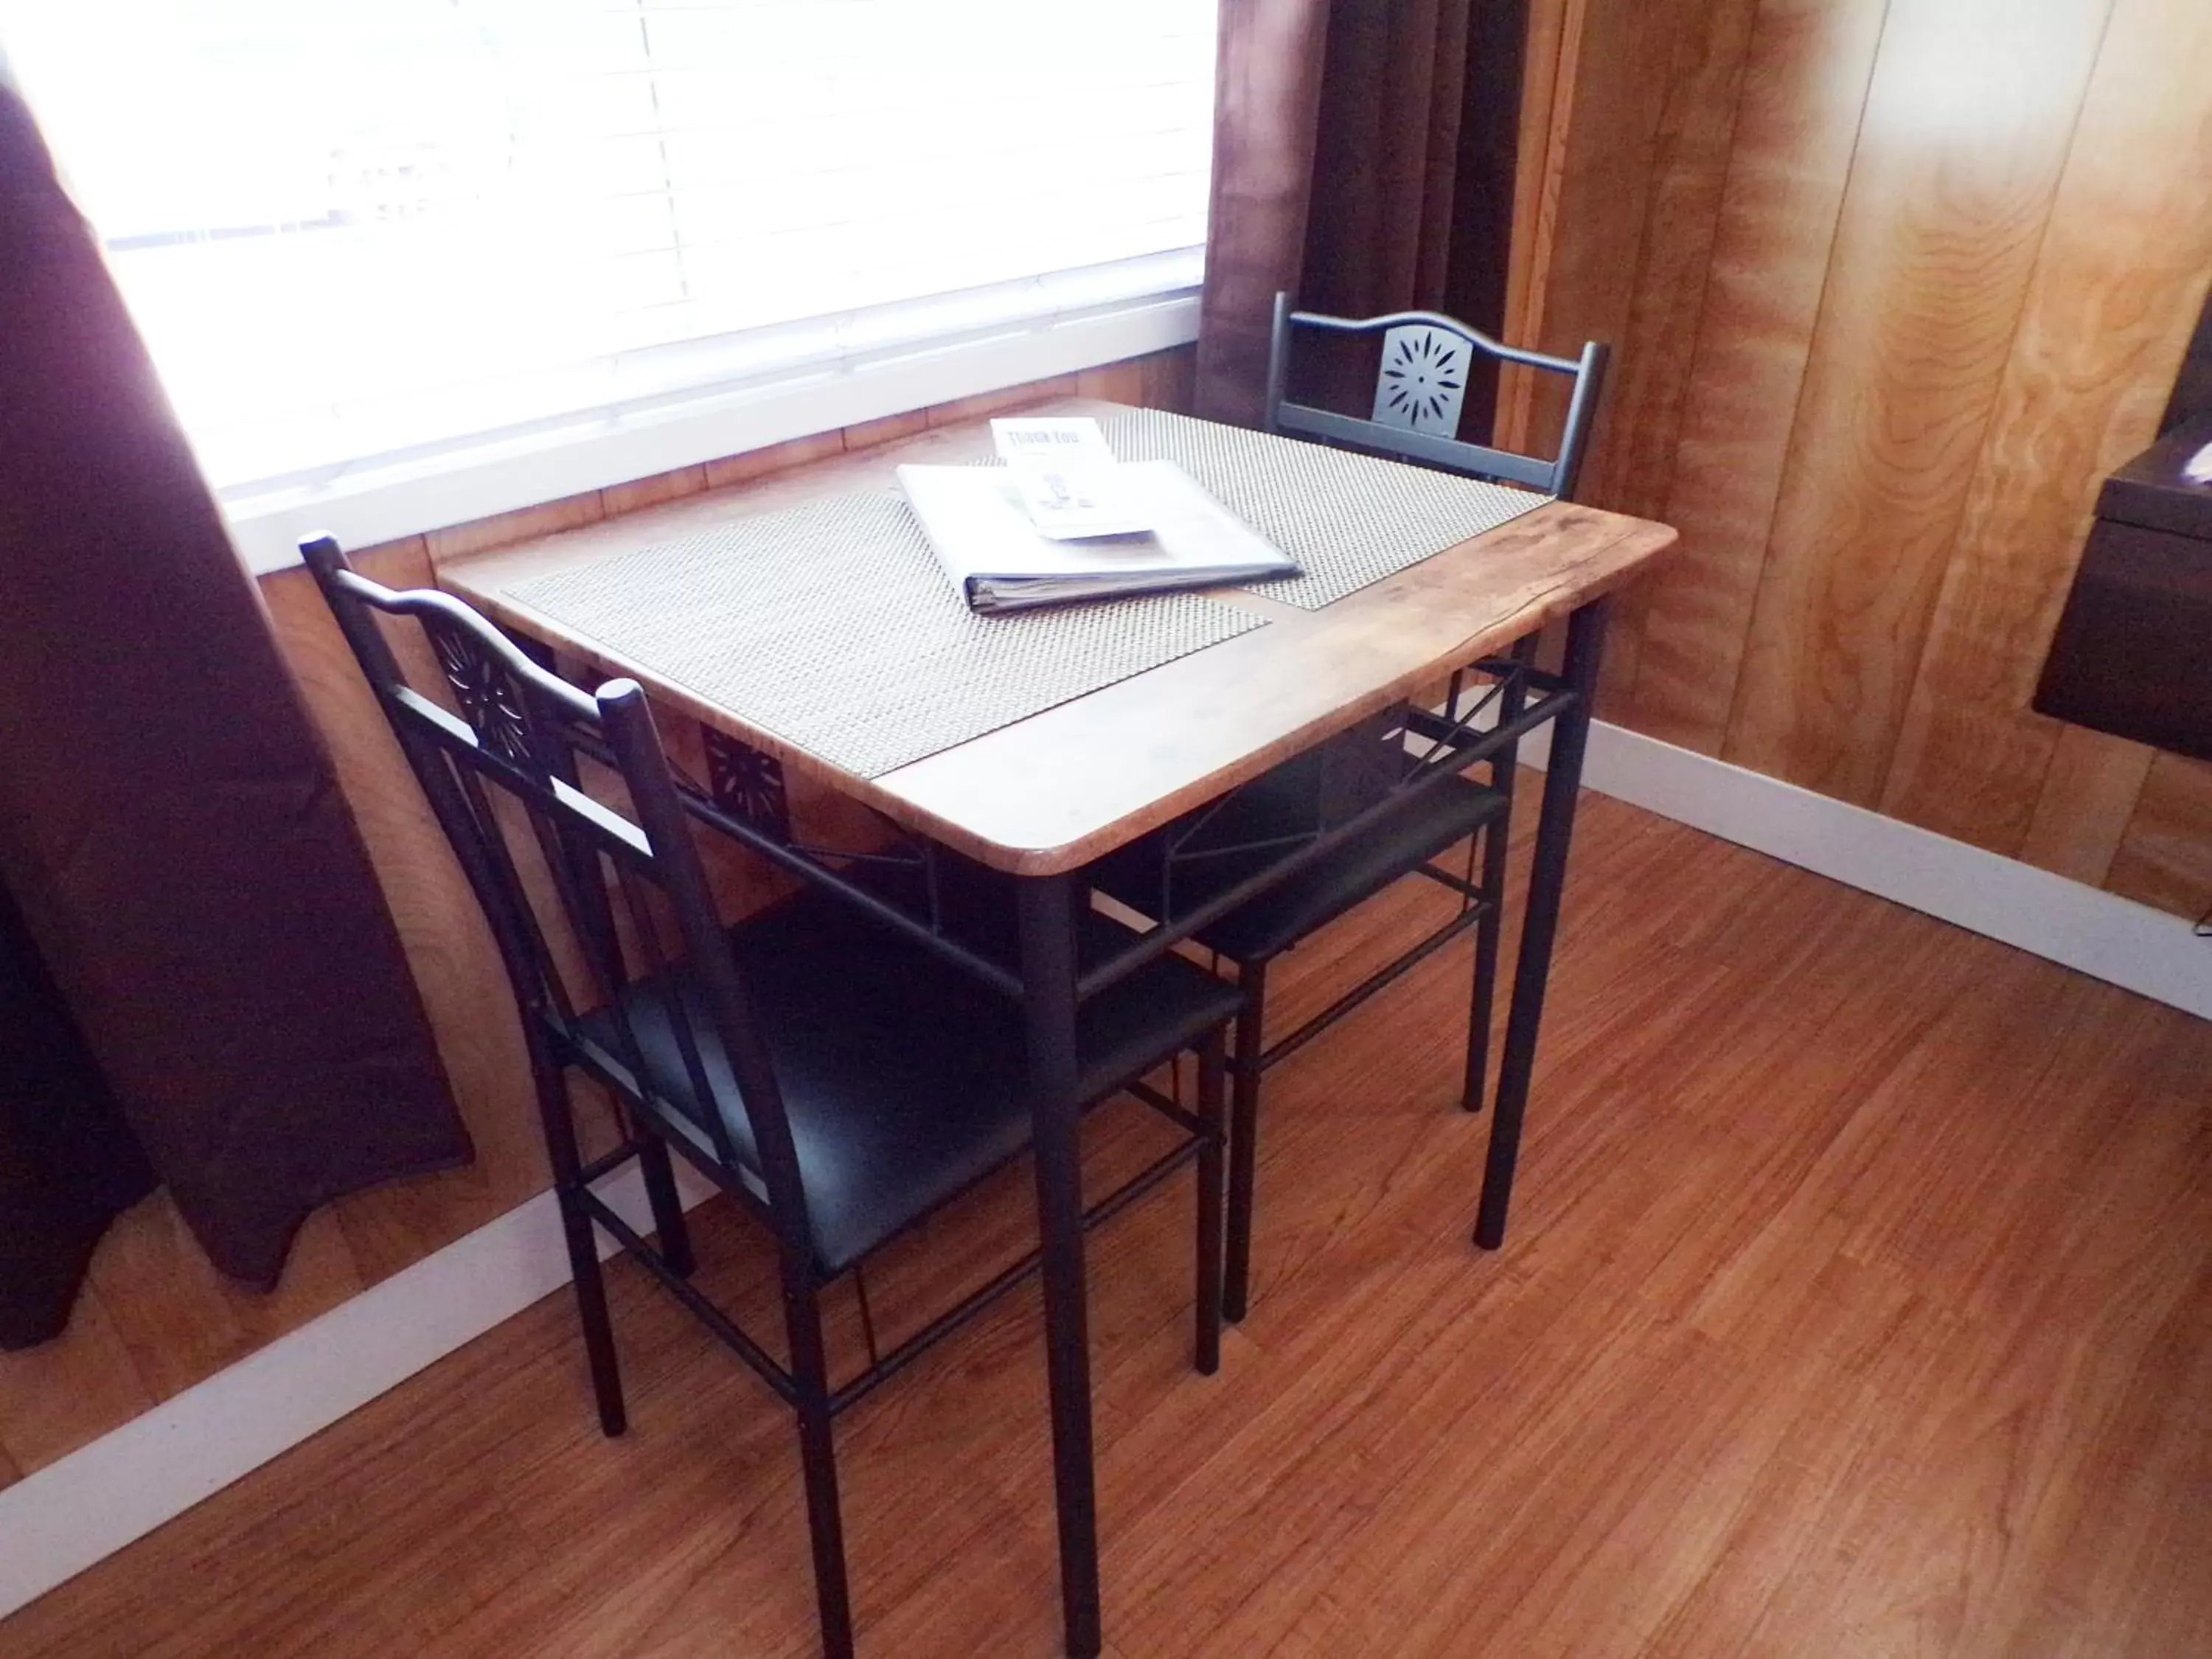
(154, 1317)
(1892, 284)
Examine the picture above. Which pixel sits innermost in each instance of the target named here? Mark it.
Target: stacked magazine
(1064, 520)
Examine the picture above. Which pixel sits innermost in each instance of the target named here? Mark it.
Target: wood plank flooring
(1858, 1301)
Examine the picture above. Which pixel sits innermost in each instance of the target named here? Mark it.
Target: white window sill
(362, 506)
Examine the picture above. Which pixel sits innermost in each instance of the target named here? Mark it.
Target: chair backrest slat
(1556, 475)
(1451, 453)
(517, 739)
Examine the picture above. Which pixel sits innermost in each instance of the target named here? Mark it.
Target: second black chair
(1424, 371)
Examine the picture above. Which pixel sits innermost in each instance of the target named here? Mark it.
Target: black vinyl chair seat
(1410, 832)
(896, 1109)
(1286, 800)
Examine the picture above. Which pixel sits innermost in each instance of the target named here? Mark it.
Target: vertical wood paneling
(1796, 121)
(2108, 316)
(1632, 465)
(1620, 188)
(2165, 857)
(1957, 246)
(63, 1394)
(1547, 70)
(1606, 121)
(203, 1321)
(2089, 794)
(1966, 128)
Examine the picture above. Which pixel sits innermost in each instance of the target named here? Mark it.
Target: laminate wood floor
(1858, 1301)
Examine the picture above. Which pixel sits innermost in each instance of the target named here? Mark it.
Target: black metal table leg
(1045, 904)
(1540, 919)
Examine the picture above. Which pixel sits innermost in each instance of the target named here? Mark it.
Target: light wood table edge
(480, 579)
(1489, 641)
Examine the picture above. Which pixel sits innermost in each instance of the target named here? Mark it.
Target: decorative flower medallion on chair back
(1422, 380)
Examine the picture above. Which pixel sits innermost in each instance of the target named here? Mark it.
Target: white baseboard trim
(2093, 932)
(58, 1520)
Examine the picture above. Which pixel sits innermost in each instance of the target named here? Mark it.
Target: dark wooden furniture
(828, 1073)
(1041, 799)
(2132, 654)
(2192, 386)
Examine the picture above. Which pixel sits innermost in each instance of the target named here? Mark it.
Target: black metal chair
(826, 1063)
(1418, 389)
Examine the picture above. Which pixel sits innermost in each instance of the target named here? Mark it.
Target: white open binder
(974, 518)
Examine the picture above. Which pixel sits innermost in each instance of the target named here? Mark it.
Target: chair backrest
(1418, 390)
(518, 738)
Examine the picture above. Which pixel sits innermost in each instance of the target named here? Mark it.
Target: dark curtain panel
(68, 1165)
(1266, 95)
(1363, 159)
(170, 826)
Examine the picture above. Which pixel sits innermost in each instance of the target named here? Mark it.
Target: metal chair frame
(1558, 475)
(522, 730)
(1512, 678)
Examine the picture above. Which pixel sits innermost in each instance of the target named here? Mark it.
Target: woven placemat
(834, 627)
(1347, 520)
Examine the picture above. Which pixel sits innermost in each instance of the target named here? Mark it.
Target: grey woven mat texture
(1348, 520)
(834, 627)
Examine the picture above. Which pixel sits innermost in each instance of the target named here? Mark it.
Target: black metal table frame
(1051, 989)
(1050, 983)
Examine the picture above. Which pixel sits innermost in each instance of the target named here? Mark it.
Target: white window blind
(358, 234)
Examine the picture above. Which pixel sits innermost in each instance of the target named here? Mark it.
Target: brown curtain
(1363, 161)
(170, 826)
(68, 1165)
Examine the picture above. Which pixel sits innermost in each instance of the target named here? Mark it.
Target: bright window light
(356, 231)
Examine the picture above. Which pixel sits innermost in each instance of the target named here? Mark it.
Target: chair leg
(591, 1312)
(653, 1163)
(1211, 1069)
(576, 1232)
(1243, 1133)
(817, 1456)
(1497, 842)
(1497, 836)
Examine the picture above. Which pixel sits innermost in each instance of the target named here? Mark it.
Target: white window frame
(916, 365)
(918, 353)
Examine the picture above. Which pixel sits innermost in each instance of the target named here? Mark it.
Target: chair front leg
(1211, 1069)
(1243, 1135)
(556, 1120)
(818, 1455)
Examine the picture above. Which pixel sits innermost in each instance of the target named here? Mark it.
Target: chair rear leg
(1497, 842)
(653, 1163)
(1243, 1134)
(817, 1455)
(1497, 836)
(1211, 1069)
(591, 1312)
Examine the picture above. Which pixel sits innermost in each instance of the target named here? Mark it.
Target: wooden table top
(1058, 789)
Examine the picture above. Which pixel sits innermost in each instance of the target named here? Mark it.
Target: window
(370, 244)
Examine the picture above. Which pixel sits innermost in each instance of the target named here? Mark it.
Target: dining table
(1039, 797)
